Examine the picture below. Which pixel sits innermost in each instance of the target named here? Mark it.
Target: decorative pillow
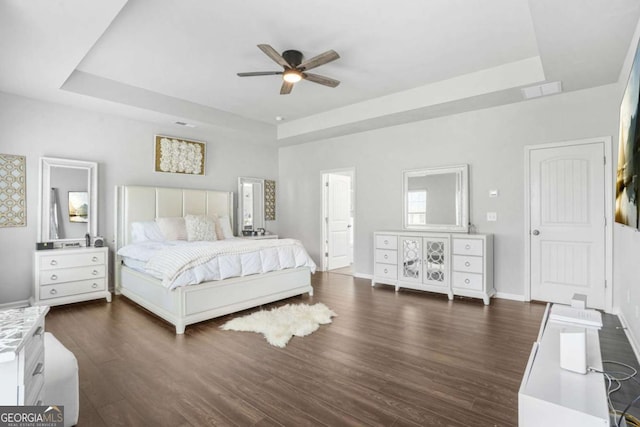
(225, 227)
(143, 231)
(173, 228)
(200, 227)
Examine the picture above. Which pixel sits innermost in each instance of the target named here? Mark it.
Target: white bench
(61, 379)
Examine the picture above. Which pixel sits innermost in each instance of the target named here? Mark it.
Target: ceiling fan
(295, 69)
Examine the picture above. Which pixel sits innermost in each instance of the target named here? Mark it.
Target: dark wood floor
(388, 359)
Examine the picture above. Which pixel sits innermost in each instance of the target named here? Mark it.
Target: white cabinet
(436, 262)
(22, 356)
(472, 266)
(64, 276)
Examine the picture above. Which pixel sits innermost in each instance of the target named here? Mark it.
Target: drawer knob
(467, 264)
(386, 242)
(95, 285)
(386, 256)
(39, 369)
(467, 246)
(467, 281)
(94, 272)
(54, 277)
(53, 262)
(94, 259)
(53, 291)
(38, 331)
(386, 271)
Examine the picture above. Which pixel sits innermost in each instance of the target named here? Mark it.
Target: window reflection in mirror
(436, 199)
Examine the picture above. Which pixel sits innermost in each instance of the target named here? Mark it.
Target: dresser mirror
(68, 200)
(250, 205)
(436, 199)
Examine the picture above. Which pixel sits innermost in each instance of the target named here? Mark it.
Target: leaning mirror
(250, 205)
(68, 200)
(436, 199)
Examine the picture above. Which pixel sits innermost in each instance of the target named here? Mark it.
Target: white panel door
(567, 233)
(338, 215)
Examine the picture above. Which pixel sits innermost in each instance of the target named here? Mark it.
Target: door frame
(323, 212)
(608, 208)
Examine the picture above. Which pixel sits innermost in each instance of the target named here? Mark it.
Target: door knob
(535, 232)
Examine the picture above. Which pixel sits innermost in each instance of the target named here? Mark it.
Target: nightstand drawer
(384, 241)
(467, 247)
(387, 271)
(386, 256)
(468, 264)
(467, 281)
(49, 277)
(67, 260)
(72, 288)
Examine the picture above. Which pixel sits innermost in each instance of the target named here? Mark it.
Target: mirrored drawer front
(387, 271)
(33, 384)
(386, 256)
(470, 264)
(34, 347)
(384, 241)
(467, 247)
(467, 281)
(71, 260)
(71, 274)
(72, 288)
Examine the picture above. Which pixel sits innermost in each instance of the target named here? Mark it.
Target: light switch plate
(492, 216)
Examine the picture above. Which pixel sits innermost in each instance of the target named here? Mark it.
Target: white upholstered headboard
(136, 203)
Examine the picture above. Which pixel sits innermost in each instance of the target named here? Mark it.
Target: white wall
(124, 150)
(491, 141)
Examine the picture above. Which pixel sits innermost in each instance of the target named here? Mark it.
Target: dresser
(64, 276)
(22, 356)
(453, 264)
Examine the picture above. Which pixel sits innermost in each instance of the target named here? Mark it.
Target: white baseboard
(514, 297)
(15, 304)
(634, 344)
(363, 276)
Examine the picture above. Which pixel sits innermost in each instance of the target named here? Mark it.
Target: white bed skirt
(191, 304)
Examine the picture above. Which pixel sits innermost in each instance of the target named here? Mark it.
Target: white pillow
(173, 228)
(225, 227)
(142, 231)
(200, 228)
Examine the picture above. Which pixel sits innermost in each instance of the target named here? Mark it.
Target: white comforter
(188, 263)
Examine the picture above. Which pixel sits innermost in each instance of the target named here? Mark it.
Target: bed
(187, 305)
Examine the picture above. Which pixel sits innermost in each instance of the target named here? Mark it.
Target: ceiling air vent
(189, 125)
(541, 90)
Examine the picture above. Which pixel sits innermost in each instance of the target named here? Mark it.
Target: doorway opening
(338, 220)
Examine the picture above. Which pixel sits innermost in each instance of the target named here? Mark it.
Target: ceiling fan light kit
(294, 69)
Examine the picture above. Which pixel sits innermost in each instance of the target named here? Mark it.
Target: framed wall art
(269, 200)
(175, 155)
(13, 191)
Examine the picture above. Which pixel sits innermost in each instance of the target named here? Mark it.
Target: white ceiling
(167, 60)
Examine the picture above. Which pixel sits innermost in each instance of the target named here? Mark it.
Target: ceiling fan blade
(316, 61)
(327, 81)
(273, 54)
(260, 73)
(286, 88)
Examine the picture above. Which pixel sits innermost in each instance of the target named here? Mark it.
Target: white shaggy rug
(279, 324)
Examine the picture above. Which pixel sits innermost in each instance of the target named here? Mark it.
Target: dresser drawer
(33, 384)
(71, 274)
(72, 288)
(34, 346)
(387, 271)
(386, 256)
(384, 241)
(469, 264)
(67, 260)
(467, 281)
(468, 247)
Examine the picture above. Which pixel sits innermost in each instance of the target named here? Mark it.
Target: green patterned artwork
(269, 200)
(13, 191)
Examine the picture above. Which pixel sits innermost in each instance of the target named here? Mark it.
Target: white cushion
(200, 228)
(225, 227)
(173, 228)
(143, 231)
